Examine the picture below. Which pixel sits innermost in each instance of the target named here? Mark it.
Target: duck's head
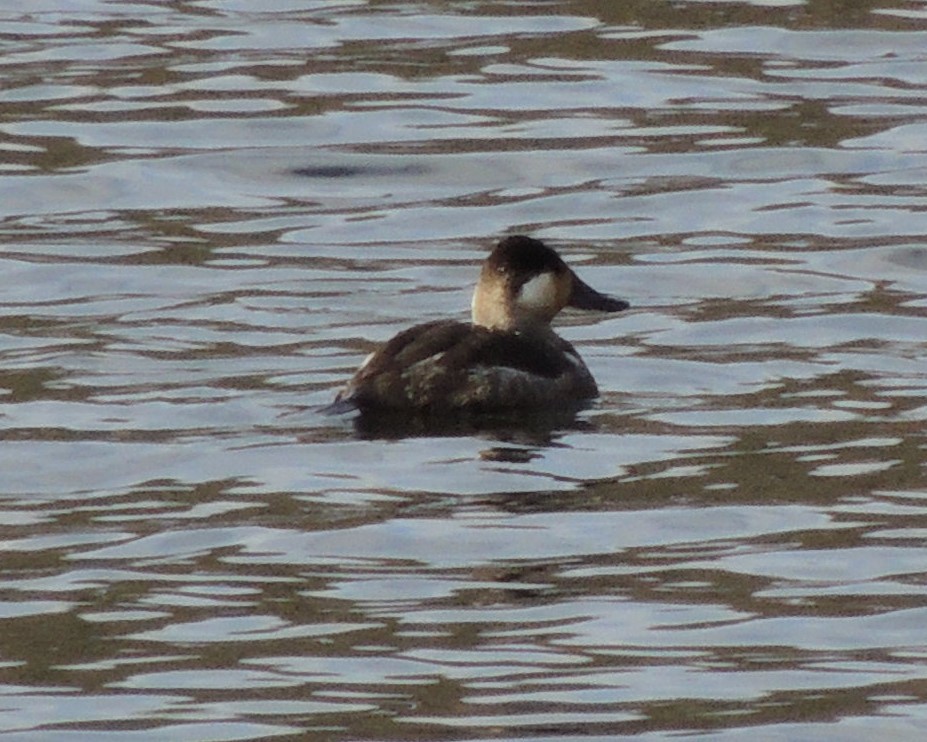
(524, 283)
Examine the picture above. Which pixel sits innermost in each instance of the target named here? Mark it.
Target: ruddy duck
(507, 359)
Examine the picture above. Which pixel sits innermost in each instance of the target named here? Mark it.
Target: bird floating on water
(507, 359)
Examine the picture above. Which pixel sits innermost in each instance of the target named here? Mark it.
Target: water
(212, 211)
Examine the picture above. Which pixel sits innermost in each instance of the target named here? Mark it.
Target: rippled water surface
(211, 211)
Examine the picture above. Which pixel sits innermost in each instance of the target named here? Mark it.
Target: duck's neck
(494, 308)
(491, 308)
(500, 320)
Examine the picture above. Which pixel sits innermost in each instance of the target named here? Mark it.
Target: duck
(506, 359)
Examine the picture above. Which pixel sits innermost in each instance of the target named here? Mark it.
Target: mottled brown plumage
(447, 364)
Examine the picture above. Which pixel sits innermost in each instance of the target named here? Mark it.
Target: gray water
(210, 212)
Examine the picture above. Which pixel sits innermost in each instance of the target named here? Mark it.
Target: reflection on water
(211, 213)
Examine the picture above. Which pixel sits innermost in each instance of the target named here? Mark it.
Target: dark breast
(447, 365)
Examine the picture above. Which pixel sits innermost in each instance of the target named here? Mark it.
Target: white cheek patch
(539, 294)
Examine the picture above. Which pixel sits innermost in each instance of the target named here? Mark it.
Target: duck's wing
(452, 365)
(504, 370)
(388, 378)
